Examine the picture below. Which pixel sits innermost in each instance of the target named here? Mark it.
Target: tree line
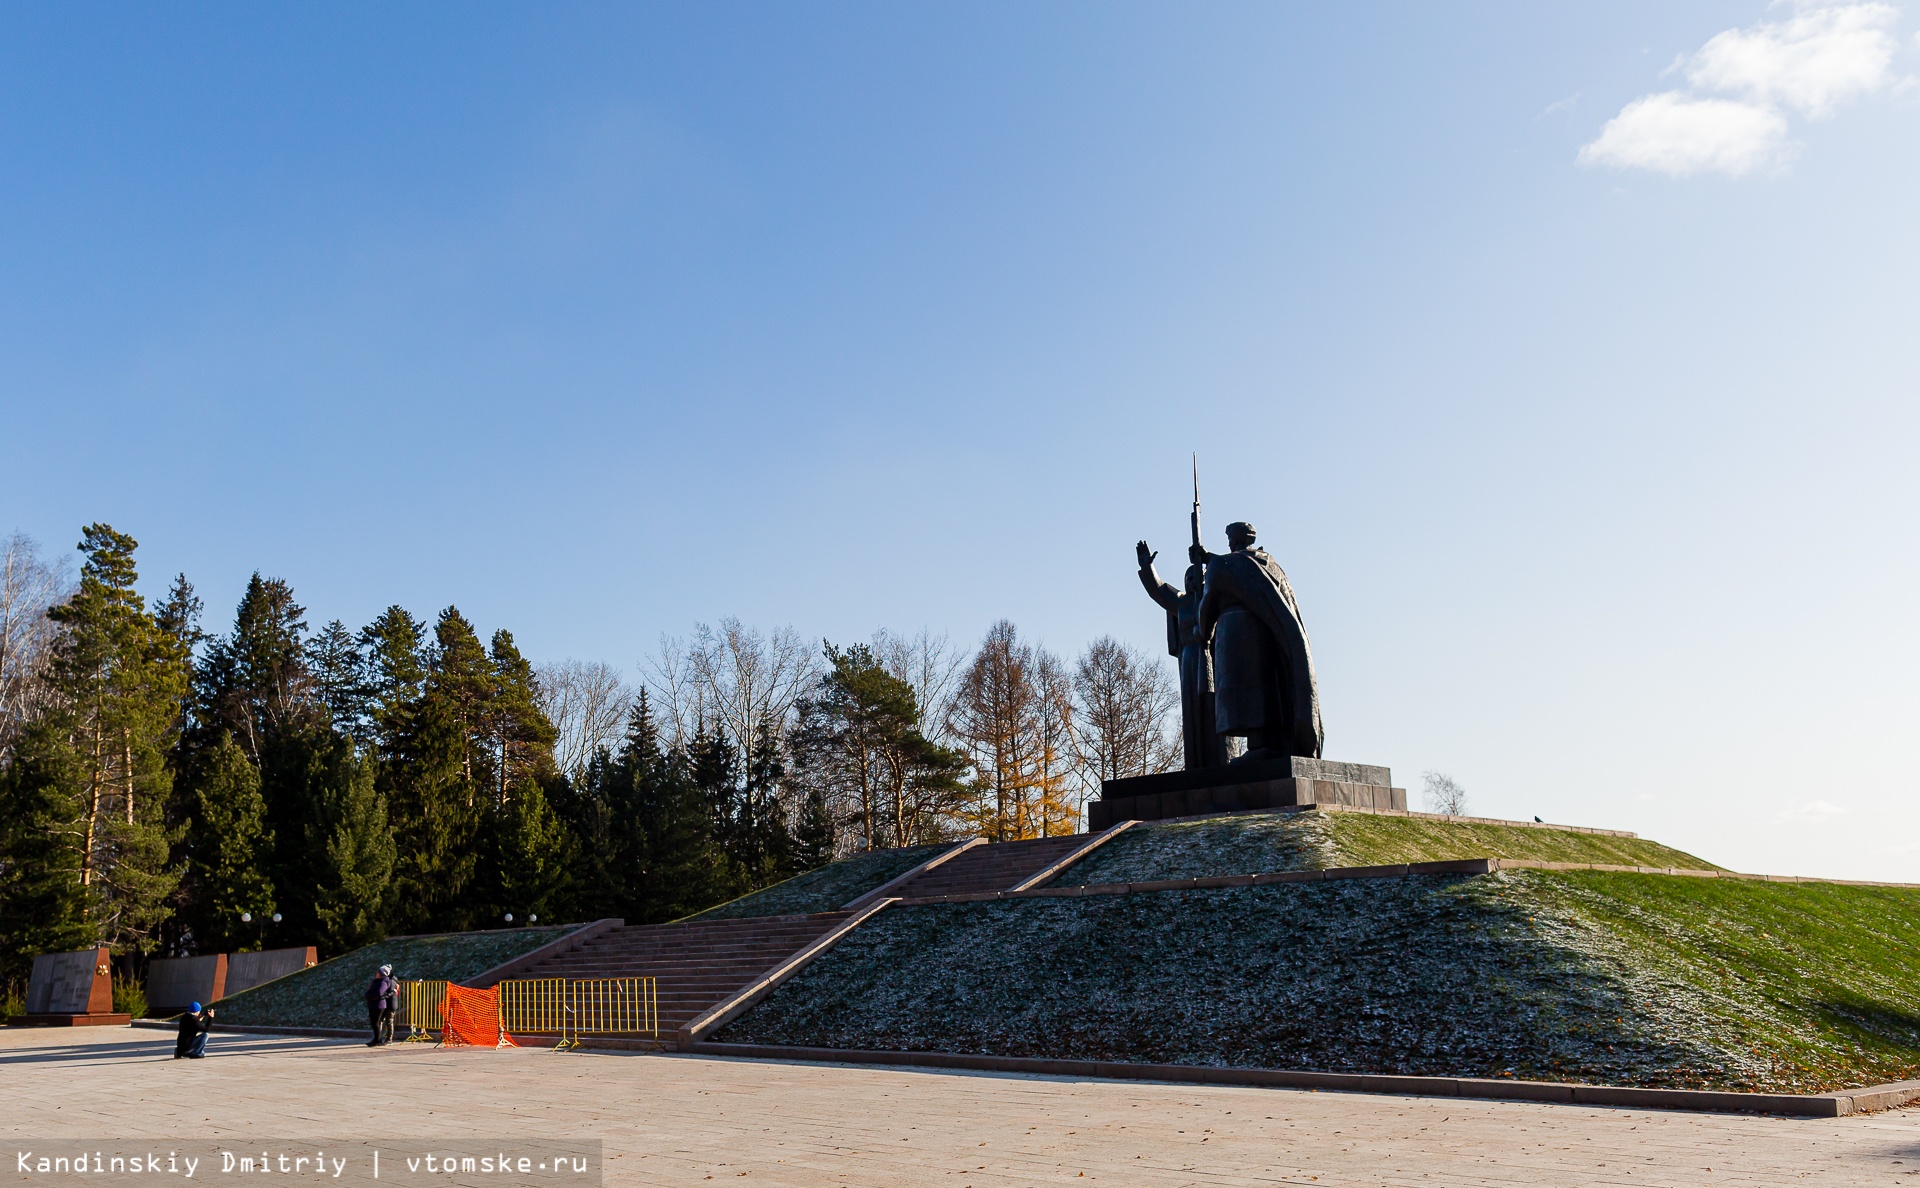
(170, 788)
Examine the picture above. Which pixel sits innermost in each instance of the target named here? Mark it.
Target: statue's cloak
(1255, 580)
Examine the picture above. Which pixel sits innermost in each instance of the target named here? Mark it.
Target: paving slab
(689, 1119)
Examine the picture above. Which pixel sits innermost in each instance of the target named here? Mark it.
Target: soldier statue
(1204, 747)
(1246, 670)
(1264, 689)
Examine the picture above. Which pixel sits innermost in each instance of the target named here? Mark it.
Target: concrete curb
(885, 889)
(744, 999)
(1089, 846)
(1464, 866)
(1809, 1105)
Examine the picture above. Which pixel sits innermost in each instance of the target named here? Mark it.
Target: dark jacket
(383, 994)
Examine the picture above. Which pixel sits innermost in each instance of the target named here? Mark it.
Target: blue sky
(1565, 355)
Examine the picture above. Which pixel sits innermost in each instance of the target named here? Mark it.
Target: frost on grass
(1606, 978)
(330, 994)
(1431, 976)
(827, 889)
(1260, 843)
(1245, 843)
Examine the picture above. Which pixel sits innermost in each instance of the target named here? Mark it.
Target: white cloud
(1557, 105)
(1811, 813)
(1811, 63)
(1678, 134)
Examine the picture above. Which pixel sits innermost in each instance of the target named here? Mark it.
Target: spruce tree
(441, 777)
(676, 868)
(816, 835)
(712, 766)
(394, 645)
(604, 843)
(339, 670)
(530, 858)
(353, 856)
(256, 682)
(229, 850)
(256, 687)
(43, 907)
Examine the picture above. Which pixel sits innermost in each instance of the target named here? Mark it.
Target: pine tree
(521, 736)
(229, 850)
(179, 617)
(353, 856)
(120, 679)
(859, 747)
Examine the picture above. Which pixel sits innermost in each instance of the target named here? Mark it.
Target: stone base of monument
(71, 990)
(1245, 786)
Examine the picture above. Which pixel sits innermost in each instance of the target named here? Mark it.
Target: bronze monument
(1246, 672)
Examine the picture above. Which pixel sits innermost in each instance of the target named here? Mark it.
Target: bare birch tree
(28, 587)
(737, 678)
(587, 702)
(931, 665)
(1125, 704)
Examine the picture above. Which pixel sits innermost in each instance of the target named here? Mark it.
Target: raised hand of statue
(1144, 554)
(1197, 554)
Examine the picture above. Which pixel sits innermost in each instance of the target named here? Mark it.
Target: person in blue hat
(194, 1026)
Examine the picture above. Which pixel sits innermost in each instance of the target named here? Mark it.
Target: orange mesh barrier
(472, 1017)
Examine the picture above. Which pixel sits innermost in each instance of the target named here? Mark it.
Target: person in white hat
(383, 997)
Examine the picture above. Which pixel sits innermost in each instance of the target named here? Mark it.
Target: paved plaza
(695, 1120)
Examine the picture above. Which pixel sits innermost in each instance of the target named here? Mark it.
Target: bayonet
(1196, 500)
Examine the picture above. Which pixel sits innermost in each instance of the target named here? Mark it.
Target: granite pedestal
(247, 970)
(71, 990)
(1244, 786)
(175, 983)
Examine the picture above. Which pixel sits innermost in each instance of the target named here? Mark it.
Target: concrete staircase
(995, 867)
(694, 965)
(698, 964)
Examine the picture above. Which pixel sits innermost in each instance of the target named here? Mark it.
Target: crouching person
(194, 1025)
(383, 997)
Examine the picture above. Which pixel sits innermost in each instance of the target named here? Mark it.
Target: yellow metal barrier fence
(421, 1007)
(614, 1006)
(537, 1005)
(568, 1008)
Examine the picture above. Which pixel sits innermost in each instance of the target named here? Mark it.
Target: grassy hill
(1588, 976)
(827, 889)
(329, 994)
(1258, 843)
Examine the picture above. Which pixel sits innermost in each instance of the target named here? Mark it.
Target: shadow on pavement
(160, 1047)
